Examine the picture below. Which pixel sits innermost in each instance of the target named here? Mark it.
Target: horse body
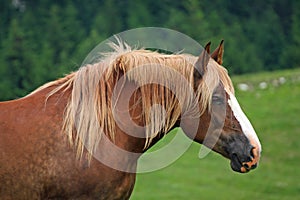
(37, 161)
(80, 137)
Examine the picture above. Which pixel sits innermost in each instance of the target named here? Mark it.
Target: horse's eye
(217, 100)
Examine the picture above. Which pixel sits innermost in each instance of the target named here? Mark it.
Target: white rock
(243, 86)
(263, 85)
(282, 80)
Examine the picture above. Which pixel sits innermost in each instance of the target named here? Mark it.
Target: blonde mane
(159, 77)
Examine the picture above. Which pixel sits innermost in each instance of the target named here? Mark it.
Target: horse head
(223, 126)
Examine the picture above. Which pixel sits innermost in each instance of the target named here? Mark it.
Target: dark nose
(241, 153)
(251, 164)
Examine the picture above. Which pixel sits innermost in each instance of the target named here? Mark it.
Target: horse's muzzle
(245, 163)
(244, 154)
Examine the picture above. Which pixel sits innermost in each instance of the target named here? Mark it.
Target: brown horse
(80, 137)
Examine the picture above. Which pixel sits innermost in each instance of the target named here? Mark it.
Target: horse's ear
(203, 59)
(217, 55)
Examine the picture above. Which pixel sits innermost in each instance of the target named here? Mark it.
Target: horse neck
(53, 105)
(134, 130)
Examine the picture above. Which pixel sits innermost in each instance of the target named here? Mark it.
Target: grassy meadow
(271, 100)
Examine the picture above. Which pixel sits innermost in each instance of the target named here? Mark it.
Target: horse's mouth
(239, 166)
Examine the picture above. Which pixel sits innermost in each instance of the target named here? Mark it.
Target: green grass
(275, 114)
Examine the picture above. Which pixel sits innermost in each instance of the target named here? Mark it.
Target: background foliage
(42, 40)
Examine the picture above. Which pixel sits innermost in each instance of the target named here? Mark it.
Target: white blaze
(243, 120)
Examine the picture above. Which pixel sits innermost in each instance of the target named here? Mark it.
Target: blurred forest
(43, 40)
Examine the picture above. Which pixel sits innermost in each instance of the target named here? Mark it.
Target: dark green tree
(16, 67)
(291, 54)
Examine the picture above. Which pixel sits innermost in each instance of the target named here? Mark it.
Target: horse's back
(29, 141)
(12, 123)
(36, 161)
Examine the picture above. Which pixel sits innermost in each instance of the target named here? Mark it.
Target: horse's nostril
(249, 159)
(252, 152)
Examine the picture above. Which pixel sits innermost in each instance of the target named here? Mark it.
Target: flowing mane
(89, 112)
